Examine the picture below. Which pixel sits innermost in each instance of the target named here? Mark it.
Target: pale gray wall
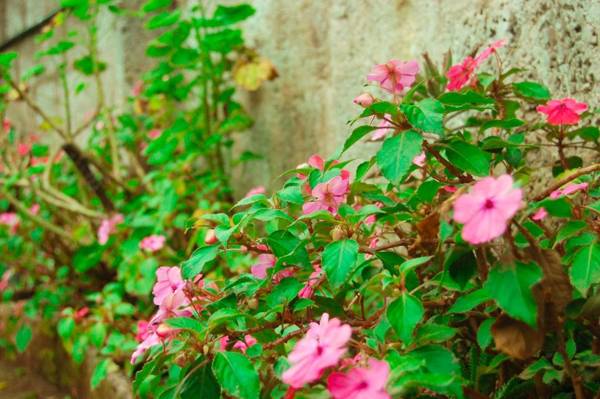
(324, 48)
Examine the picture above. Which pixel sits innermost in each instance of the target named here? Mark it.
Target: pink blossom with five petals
(395, 76)
(565, 111)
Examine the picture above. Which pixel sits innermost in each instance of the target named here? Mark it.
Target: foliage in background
(88, 212)
(436, 270)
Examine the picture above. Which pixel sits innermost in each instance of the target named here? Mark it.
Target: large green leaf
(288, 248)
(200, 383)
(236, 375)
(468, 158)
(338, 259)
(404, 314)
(426, 115)
(397, 153)
(532, 90)
(195, 264)
(585, 270)
(511, 287)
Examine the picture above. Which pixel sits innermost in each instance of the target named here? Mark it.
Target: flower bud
(364, 100)
(210, 237)
(338, 233)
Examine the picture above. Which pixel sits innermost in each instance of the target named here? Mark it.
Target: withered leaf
(515, 338)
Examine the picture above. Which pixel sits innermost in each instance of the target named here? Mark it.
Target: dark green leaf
(426, 115)
(532, 90)
(585, 270)
(339, 258)
(404, 314)
(469, 158)
(236, 375)
(195, 264)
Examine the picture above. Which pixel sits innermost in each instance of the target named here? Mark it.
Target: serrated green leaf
(397, 153)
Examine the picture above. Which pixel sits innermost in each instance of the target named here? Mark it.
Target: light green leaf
(470, 301)
(236, 375)
(426, 115)
(397, 153)
(404, 314)
(531, 90)
(338, 259)
(511, 287)
(585, 269)
(23, 338)
(194, 266)
(100, 373)
(484, 333)
(469, 158)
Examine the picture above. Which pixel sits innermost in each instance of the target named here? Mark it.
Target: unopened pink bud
(364, 100)
(210, 237)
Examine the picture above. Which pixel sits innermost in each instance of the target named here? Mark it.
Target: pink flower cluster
(11, 220)
(172, 301)
(487, 208)
(463, 74)
(321, 348)
(242, 346)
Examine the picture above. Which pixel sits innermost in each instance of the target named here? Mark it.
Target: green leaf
(163, 19)
(153, 5)
(65, 327)
(511, 287)
(200, 383)
(532, 90)
(435, 333)
(87, 65)
(97, 334)
(471, 300)
(23, 338)
(227, 15)
(426, 115)
(585, 269)
(404, 314)
(468, 158)
(356, 135)
(484, 333)
(186, 323)
(195, 264)
(284, 292)
(397, 153)
(570, 228)
(6, 59)
(338, 259)
(86, 257)
(503, 124)
(100, 373)
(466, 100)
(236, 375)
(412, 263)
(288, 248)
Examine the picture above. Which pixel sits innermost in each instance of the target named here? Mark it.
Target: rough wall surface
(324, 49)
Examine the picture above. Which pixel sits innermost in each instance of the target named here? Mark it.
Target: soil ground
(18, 383)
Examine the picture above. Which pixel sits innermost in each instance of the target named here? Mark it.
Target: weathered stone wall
(324, 49)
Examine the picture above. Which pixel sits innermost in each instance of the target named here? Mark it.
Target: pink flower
(255, 191)
(364, 100)
(223, 342)
(249, 340)
(265, 262)
(394, 76)
(6, 125)
(487, 208)
(23, 149)
(143, 330)
(449, 189)
(384, 127)
(360, 383)
(154, 133)
(307, 291)
(168, 281)
(316, 162)
(329, 196)
(11, 220)
(285, 273)
(81, 313)
(565, 111)
(174, 304)
(419, 160)
(568, 190)
(463, 74)
(322, 347)
(540, 214)
(34, 209)
(152, 243)
(150, 341)
(107, 227)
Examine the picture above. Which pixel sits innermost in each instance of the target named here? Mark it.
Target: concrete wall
(324, 48)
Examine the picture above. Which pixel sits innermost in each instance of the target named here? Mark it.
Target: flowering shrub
(88, 212)
(431, 269)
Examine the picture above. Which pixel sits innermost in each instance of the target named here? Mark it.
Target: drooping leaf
(404, 314)
(339, 258)
(397, 153)
(236, 375)
(511, 287)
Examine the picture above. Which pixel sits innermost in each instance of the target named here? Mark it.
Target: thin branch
(580, 172)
